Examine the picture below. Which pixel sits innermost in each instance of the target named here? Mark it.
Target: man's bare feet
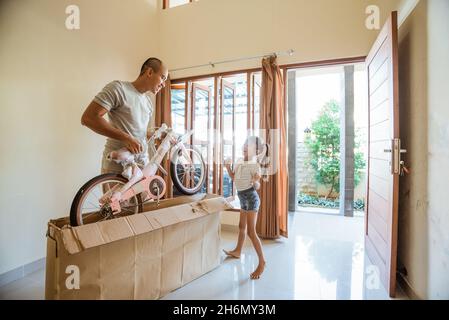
(259, 270)
(234, 254)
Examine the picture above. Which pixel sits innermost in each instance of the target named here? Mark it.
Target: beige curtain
(273, 213)
(163, 115)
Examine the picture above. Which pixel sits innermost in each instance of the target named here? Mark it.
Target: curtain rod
(212, 64)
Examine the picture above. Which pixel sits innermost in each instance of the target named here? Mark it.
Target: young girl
(246, 176)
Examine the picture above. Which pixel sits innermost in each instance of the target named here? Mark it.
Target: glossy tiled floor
(323, 258)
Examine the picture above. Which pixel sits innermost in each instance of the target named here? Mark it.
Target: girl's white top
(244, 172)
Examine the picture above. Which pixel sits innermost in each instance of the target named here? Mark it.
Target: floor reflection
(323, 258)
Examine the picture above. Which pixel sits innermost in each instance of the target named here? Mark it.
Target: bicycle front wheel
(188, 171)
(87, 207)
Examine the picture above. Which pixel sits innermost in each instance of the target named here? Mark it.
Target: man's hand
(133, 145)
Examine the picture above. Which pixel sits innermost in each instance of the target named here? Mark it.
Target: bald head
(153, 63)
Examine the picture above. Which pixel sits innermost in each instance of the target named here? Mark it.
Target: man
(129, 110)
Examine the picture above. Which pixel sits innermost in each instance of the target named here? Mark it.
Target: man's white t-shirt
(243, 173)
(128, 110)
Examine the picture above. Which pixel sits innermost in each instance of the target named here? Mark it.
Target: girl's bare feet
(259, 270)
(234, 254)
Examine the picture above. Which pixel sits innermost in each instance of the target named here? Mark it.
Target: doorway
(325, 128)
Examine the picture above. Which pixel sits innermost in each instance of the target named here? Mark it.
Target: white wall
(438, 142)
(48, 76)
(214, 30)
(423, 247)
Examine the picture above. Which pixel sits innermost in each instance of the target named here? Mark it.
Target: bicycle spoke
(197, 173)
(184, 179)
(93, 191)
(95, 206)
(181, 169)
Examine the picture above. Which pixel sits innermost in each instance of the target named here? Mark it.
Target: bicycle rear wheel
(86, 206)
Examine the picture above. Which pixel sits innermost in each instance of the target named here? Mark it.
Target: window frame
(218, 110)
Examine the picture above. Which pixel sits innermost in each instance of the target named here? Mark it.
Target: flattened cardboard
(70, 242)
(172, 257)
(193, 252)
(116, 269)
(115, 229)
(148, 265)
(89, 235)
(154, 223)
(166, 217)
(214, 205)
(142, 256)
(139, 224)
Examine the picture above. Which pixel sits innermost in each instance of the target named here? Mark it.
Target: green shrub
(323, 144)
(308, 200)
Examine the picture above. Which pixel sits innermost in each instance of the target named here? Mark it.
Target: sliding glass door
(228, 100)
(222, 111)
(201, 124)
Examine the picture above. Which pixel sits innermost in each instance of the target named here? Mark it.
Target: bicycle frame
(140, 184)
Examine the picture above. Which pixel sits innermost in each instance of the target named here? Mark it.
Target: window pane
(178, 113)
(256, 88)
(228, 105)
(201, 115)
(241, 112)
(175, 3)
(227, 182)
(204, 124)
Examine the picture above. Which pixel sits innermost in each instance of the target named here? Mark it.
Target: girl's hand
(227, 164)
(255, 177)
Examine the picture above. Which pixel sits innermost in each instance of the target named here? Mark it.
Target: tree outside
(323, 144)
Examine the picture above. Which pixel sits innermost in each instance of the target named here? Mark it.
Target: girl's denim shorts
(249, 199)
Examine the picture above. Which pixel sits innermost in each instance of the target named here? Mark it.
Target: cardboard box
(141, 256)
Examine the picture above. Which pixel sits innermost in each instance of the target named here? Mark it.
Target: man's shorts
(108, 166)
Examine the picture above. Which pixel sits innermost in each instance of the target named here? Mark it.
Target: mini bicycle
(112, 195)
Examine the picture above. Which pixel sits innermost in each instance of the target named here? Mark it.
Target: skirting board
(405, 286)
(21, 272)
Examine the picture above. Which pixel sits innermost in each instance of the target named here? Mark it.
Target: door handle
(397, 165)
(401, 151)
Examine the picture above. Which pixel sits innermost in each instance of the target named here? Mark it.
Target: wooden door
(383, 154)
